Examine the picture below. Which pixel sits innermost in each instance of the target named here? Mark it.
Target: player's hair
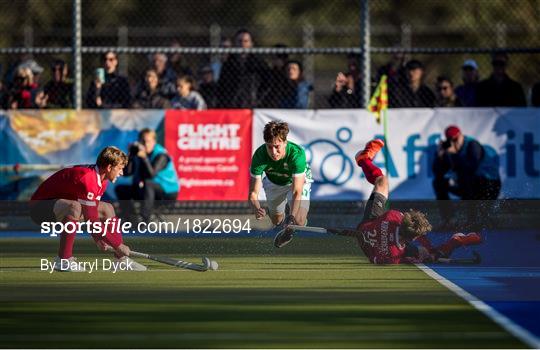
(111, 156)
(276, 128)
(146, 131)
(414, 224)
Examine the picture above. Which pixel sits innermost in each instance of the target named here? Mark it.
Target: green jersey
(281, 172)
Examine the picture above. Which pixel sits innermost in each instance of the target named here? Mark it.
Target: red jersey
(79, 183)
(380, 238)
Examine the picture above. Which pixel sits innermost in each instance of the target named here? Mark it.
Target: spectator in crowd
(298, 89)
(166, 75)
(499, 89)
(465, 168)
(24, 89)
(11, 71)
(467, 91)
(353, 64)
(57, 93)
(445, 93)
(208, 87)
(217, 64)
(277, 80)
(114, 91)
(153, 176)
(415, 93)
(535, 95)
(36, 69)
(394, 69)
(244, 78)
(395, 72)
(151, 97)
(188, 97)
(347, 91)
(176, 61)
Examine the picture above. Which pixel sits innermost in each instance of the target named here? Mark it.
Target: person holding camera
(154, 175)
(465, 168)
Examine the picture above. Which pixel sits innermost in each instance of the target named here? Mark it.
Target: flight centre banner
(331, 139)
(211, 151)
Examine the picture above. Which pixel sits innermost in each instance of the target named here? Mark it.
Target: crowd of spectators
(248, 81)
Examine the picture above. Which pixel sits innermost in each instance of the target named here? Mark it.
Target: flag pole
(385, 133)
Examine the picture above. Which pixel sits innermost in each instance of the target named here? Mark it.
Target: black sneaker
(283, 237)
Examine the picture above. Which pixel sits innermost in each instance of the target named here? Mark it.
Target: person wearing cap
(499, 90)
(470, 76)
(414, 93)
(465, 168)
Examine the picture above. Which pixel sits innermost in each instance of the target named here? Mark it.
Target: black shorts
(375, 207)
(42, 211)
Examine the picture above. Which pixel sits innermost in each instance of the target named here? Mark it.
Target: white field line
(512, 327)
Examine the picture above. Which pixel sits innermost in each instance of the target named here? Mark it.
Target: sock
(113, 235)
(425, 242)
(370, 170)
(65, 251)
(448, 247)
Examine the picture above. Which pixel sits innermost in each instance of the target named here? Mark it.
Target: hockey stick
(206, 263)
(474, 260)
(334, 231)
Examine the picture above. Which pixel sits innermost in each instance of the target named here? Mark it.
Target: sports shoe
(131, 265)
(372, 148)
(472, 238)
(68, 265)
(283, 237)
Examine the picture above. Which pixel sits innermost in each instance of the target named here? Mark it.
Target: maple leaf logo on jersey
(90, 196)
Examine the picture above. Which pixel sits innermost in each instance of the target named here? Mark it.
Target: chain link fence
(281, 54)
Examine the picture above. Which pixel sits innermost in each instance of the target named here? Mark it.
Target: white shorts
(277, 196)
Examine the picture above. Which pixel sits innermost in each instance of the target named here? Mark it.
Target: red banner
(211, 151)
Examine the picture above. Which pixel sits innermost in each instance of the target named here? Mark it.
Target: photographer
(464, 168)
(154, 176)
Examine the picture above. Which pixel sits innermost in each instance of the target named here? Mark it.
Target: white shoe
(68, 265)
(131, 265)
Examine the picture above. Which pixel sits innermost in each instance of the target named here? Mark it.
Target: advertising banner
(331, 139)
(52, 139)
(211, 151)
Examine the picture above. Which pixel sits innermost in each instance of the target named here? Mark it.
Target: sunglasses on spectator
(110, 59)
(443, 88)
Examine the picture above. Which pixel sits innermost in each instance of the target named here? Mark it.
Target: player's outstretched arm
(297, 188)
(255, 186)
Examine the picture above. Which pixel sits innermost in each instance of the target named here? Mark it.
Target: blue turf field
(507, 280)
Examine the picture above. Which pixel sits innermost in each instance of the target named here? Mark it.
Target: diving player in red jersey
(384, 235)
(74, 194)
